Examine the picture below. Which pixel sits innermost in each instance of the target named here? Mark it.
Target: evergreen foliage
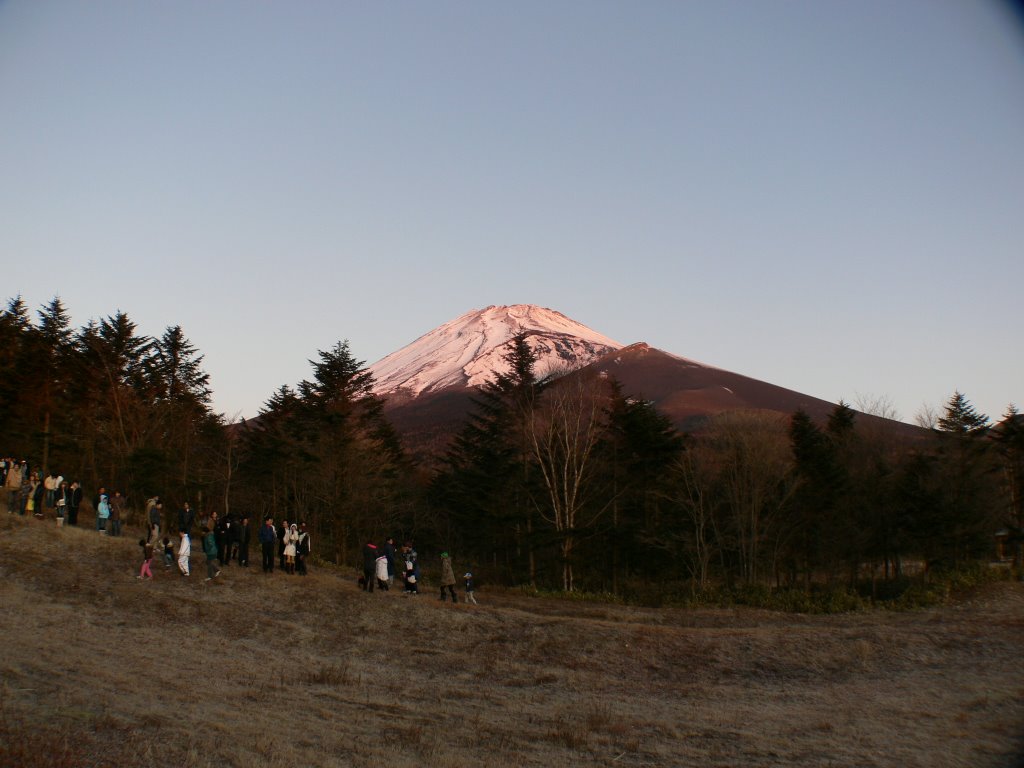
(570, 483)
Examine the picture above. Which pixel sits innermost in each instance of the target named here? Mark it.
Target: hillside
(100, 669)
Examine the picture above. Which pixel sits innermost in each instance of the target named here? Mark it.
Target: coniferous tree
(487, 484)
(323, 453)
(637, 453)
(962, 520)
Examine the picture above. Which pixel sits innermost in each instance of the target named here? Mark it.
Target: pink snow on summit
(468, 350)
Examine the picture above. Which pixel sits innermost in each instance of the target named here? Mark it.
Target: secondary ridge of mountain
(469, 350)
(429, 385)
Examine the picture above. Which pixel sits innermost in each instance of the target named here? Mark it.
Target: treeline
(106, 405)
(569, 484)
(574, 484)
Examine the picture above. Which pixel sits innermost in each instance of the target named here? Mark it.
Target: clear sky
(828, 196)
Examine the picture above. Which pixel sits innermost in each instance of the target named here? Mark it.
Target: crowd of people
(224, 538)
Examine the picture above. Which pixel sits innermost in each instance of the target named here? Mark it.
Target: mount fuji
(469, 350)
(428, 385)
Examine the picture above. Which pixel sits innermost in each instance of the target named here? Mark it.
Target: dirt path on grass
(249, 670)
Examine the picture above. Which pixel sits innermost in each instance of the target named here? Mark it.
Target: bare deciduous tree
(563, 434)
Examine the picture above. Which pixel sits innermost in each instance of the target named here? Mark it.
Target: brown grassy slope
(100, 669)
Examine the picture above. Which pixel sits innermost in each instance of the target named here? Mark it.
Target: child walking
(469, 588)
(147, 558)
(184, 550)
(168, 552)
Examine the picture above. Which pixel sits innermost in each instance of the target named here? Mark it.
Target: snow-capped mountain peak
(468, 350)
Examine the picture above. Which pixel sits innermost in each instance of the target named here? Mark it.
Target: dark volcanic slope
(688, 392)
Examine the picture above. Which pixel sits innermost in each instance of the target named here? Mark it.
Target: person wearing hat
(102, 512)
(447, 577)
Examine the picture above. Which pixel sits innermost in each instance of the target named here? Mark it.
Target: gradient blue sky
(828, 196)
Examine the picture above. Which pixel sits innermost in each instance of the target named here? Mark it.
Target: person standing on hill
(411, 572)
(186, 517)
(184, 551)
(13, 486)
(102, 513)
(369, 566)
(244, 536)
(63, 496)
(51, 483)
(282, 540)
(155, 513)
(302, 549)
(389, 553)
(36, 496)
(231, 531)
(221, 531)
(381, 572)
(74, 502)
(116, 513)
(369, 577)
(210, 550)
(447, 577)
(291, 539)
(147, 559)
(268, 537)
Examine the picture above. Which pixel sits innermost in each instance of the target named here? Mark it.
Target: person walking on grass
(210, 550)
(184, 551)
(447, 577)
(469, 588)
(147, 559)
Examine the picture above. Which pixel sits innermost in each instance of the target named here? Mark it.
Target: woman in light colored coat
(447, 577)
(291, 538)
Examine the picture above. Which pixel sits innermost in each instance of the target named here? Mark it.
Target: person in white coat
(184, 551)
(381, 572)
(291, 538)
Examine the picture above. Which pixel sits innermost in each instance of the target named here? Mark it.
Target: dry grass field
(99, 669)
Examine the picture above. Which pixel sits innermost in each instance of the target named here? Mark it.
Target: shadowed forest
(566, 485)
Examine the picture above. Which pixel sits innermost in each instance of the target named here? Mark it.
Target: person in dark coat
(370, 556)
(268, 538)
(74, 502)
(244, 535)
(302, 550)
(186, 517)
(221, 530)
(389, 553)
(282, 540)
